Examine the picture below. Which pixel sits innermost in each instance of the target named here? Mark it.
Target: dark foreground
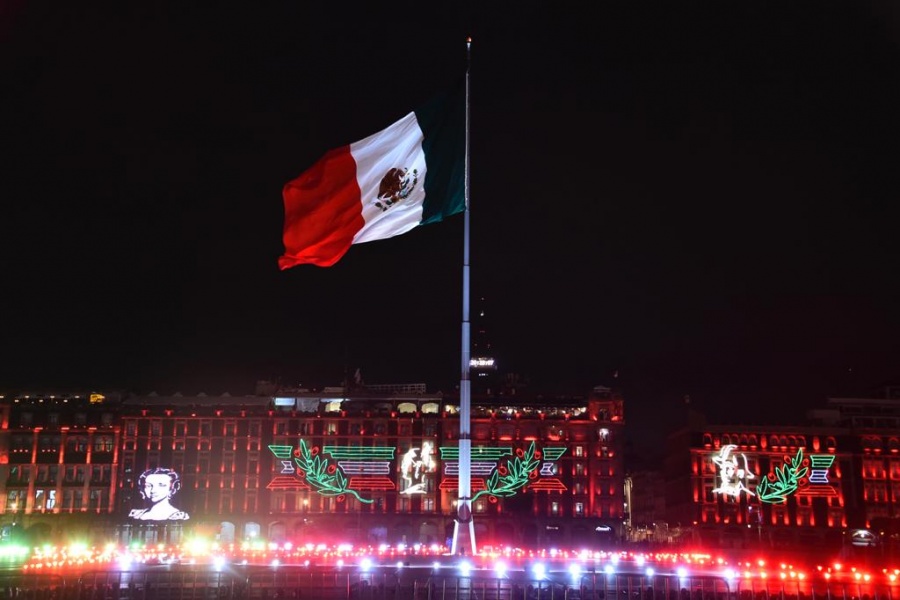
(417, 583)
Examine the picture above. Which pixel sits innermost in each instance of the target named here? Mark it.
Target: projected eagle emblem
(396, 185)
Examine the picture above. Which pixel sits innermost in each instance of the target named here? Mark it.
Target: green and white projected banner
(355, 471)
(796, 474)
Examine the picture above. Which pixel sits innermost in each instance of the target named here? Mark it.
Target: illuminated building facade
(58, 457)
(379, 464)
(740, 486)
(376, 465)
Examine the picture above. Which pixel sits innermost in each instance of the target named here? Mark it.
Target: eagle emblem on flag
(395, 186)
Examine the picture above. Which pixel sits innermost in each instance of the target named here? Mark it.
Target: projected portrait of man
(157, 487)
(733, 473)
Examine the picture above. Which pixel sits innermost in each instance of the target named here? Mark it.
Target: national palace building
(371, 464)
(379, 464)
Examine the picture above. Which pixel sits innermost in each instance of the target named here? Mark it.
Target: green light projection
(784, 480)
(508, 479)
(505, 470)
(793, 476)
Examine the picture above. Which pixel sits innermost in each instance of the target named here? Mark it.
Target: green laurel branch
(516, 477)
(787, 481)
(330, 484)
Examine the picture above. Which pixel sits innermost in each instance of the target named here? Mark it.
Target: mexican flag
(409, 174)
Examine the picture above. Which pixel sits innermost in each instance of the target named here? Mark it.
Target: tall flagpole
(464, 527)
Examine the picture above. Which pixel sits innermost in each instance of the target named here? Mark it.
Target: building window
(21, 443)
(103, 444)
(579, 451)
(48, 443)
(44, 501)
(77, 444)
(554, 508)
(15, 500)
(579, 509)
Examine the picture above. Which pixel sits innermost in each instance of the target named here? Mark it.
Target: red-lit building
(58, 462)
(379, 465)
(833, 482)
(375, 464)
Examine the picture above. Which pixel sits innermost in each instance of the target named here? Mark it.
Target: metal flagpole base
(463, 538)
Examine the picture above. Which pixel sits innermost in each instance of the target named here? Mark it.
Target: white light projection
(414, 466)
(732, 475)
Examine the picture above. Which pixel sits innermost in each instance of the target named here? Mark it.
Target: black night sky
(702, 197)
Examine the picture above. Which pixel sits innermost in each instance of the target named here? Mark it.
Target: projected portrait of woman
(158, 487)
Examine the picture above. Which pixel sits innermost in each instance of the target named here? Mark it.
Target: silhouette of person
(157, 487)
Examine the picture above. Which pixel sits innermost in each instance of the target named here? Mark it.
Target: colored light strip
(284, 482)
(358, 467)
(281, 451)
(478, 452)
(371, 483)
(818, 491)
(821, 461)
(477, 468)
(452, 483)
(547, 484)
(553, 453)
(357, 452)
